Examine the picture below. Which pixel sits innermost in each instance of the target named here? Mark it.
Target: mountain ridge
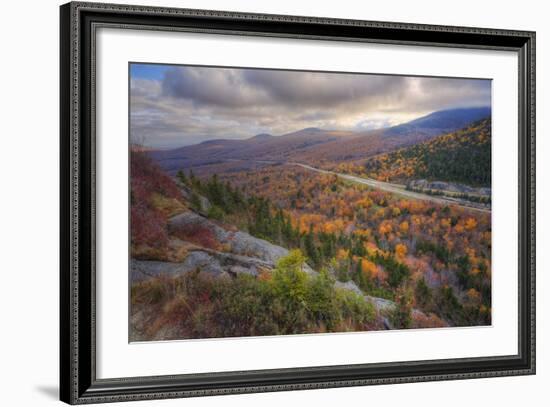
(319, 146)
(444, 119)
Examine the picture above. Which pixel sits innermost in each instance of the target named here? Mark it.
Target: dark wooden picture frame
(78, 381)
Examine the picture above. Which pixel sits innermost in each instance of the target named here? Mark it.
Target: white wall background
(29, 163)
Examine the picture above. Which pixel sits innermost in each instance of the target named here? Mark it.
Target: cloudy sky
(172, 106)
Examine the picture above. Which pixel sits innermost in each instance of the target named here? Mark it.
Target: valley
(445, 197)
(314, 231)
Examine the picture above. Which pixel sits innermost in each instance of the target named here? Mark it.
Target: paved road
(384, 186)
(393, 188)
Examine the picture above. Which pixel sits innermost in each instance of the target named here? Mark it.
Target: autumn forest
(324, 229)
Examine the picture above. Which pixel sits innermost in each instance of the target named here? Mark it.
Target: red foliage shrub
(147, 178)
(148, 224)
(200, 235)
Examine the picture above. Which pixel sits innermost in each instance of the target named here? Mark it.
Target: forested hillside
(229, 255)
(463, 156)
(436, 258)
(195, 274)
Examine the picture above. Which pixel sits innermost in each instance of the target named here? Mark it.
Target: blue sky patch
(148, 71)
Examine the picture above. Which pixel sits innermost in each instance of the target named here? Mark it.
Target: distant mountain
(379, 141)
(261, 136)
(317, 146)
(259, 147)
(443, 121)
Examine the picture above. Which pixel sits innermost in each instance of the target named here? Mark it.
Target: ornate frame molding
(77, 250)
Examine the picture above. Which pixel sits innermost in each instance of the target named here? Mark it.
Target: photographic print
(319, 187)
(277, 202)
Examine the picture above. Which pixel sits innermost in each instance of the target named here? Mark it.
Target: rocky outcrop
(244, 244)
(237, 253)
(235, 242)
(234, 252)
(216, 264)
(189, 222)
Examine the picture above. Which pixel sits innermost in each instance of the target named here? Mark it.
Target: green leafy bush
(287, 301)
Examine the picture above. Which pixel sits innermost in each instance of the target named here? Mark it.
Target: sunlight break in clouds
(172, 106)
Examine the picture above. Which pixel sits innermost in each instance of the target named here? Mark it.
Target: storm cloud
(193, 104)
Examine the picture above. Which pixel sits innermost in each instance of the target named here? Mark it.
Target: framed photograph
(255, 203)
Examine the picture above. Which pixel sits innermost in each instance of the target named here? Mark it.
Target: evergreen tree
(311, 250)
(181, 177)
(195, 182)
(195, 201)
(287, 231)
